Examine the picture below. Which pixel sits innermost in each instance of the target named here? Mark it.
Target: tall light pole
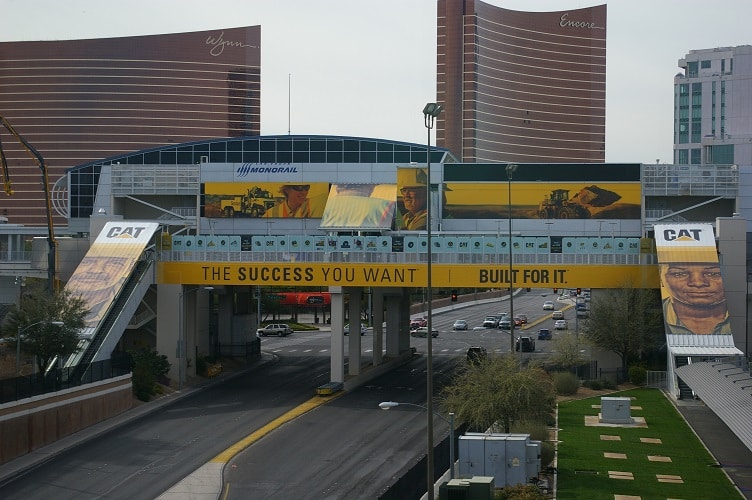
(430, 112)
(511, 167)
(385, 405)
(182, 351)
(18, 340)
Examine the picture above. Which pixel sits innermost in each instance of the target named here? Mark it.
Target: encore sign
(406, 275)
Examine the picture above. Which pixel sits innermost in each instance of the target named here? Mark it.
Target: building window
(721, 155)
(692, 69)
(704, 64)
(696, 156)
(696, 131)
(682, 157)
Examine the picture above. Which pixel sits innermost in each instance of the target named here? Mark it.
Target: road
(348, 448)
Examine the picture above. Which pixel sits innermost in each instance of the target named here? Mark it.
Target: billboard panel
(107, 265)
(542, 200)
(360, 206)
(412, 198)
(264, 199)
(694, 301)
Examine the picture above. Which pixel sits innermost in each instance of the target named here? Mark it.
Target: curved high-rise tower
(77, 101)
(521, 86)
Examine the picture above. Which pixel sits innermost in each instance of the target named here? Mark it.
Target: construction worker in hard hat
(412, 184)
(694, 301)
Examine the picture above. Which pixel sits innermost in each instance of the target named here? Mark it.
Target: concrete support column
(732, 248)
(354, 361)
(168, 326)
(337, 360)
(377, 320)
(397, 323)
(225, 326)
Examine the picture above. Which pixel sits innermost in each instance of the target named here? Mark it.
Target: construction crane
(51, 254)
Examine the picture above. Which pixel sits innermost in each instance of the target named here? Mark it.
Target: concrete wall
(29, 424)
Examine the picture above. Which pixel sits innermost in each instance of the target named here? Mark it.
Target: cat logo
(682, 234)
(125, 232)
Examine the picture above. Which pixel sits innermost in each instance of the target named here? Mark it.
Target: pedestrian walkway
(728, 450)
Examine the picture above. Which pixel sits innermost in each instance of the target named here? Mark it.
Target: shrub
(608, 384)
(548, 452)
(593, 384)
(520, 492)
(148, 366)
(637, 375)
(538, 431)
(565, 383)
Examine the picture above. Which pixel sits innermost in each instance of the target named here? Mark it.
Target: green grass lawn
(584, 471)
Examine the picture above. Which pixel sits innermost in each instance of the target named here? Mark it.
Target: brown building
(521, 86)
(76, 101)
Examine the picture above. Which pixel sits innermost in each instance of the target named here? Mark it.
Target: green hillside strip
(584, 471)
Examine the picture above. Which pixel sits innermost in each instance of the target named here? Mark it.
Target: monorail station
(197, 232)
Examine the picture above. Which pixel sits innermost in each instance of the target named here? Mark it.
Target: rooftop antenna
(289, 76)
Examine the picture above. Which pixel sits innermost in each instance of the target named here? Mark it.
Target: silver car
(460, 324)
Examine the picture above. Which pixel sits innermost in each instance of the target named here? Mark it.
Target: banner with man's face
(694, 301)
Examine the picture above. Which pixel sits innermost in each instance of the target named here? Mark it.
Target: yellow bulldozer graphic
(558, 205)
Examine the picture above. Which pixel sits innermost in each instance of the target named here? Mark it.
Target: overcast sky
(367, 67)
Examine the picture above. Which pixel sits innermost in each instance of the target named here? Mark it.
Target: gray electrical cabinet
(509, 458)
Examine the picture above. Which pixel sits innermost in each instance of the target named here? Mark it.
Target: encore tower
(521, 86)
(76, 101)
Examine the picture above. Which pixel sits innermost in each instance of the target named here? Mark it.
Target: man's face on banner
(698, 284)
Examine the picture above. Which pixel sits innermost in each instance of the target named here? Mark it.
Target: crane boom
(51, 242)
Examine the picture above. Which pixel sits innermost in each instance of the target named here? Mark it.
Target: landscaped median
(660, 459)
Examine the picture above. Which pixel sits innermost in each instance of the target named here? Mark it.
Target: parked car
(544, 334)
(460, 324)
(560, 324)
(423, 332)
(276, 329)
(505, 323)
(524, 344)
(548, 305)
(491, 322)
(557, 315)
(363, 329)
(476, 354)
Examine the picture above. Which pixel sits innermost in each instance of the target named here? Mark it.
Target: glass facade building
(77, 101)
(521, 86)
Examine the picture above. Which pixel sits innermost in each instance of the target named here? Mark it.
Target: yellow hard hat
(411, 177)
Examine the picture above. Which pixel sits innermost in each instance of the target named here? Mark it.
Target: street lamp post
(511, 167)
(430, 112)
(182, 351)
(385, 405)
(18, 340)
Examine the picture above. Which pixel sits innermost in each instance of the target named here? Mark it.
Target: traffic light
(454, 295)
(579, 290)
(556, 290)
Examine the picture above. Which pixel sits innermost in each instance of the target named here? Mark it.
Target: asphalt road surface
(348, 448)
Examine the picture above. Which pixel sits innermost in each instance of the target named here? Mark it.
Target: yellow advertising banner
(405, 275)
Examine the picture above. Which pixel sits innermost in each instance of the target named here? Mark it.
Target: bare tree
(496, 393)
(626, 321)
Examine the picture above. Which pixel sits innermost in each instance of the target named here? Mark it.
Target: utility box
(616, 410)
(474, 488)
(509, 458)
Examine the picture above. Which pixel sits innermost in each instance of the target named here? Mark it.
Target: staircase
(685, 392)
(105, 328)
